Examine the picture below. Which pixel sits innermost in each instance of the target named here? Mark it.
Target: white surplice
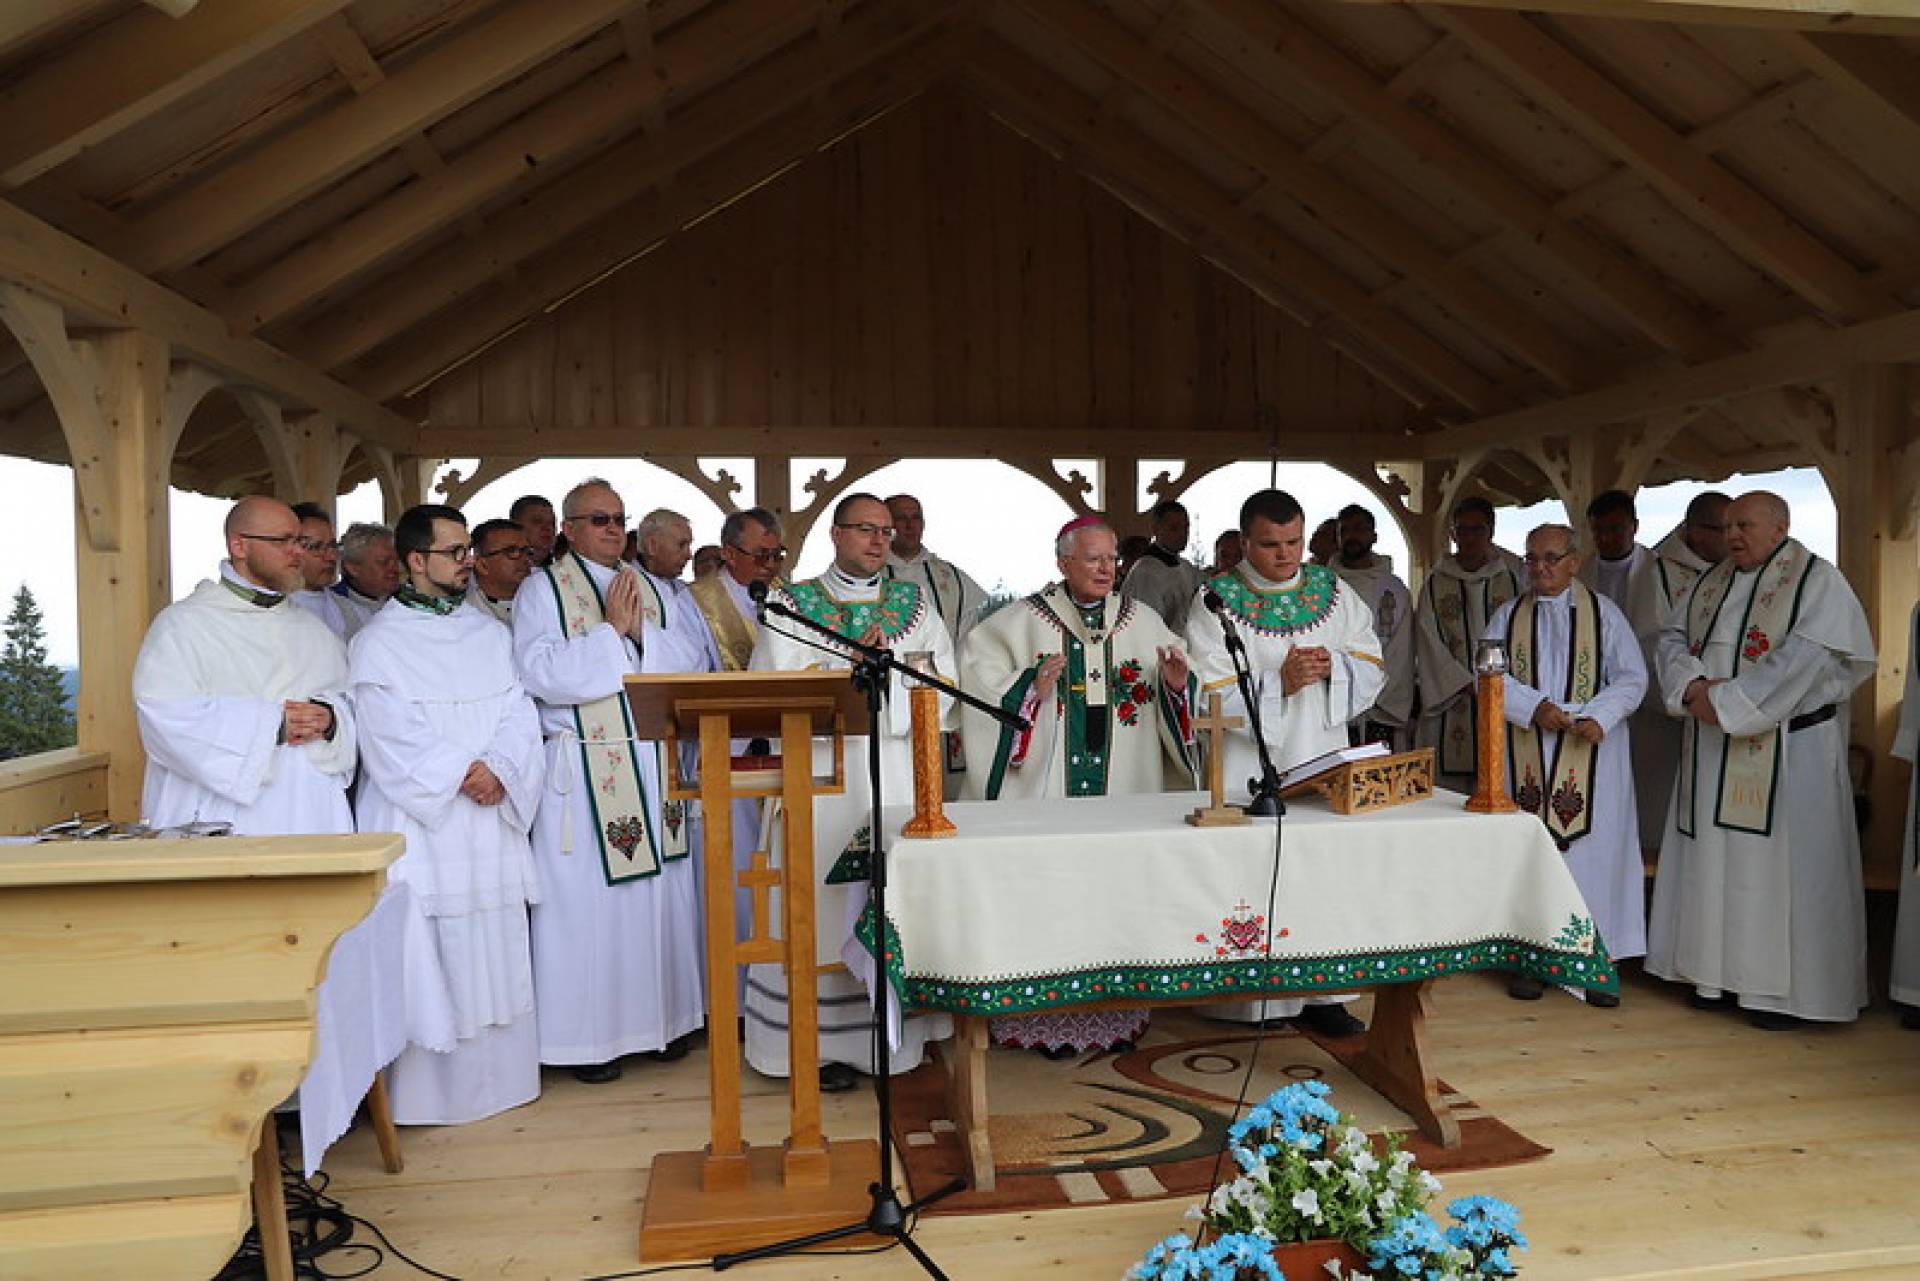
(1166, 583)
(955, 597)
(355, 609)
(1906, 747)
(1606, 861)
(1444, 674)
(846, 1017)
(325, 606)
(1615, 579)
(1780, 919)
(1671, 569)
(209, 687)
(617, 969)
(1298, 726)
(434, 694)
(1392, 606)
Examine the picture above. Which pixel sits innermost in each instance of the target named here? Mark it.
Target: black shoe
(1774, 1021)
(1910, 1020)
(675, 1050)
(837, 1078)
(1056, 1053)
(1724, 1001)
(1603, 1000)
(1330, 1020)
(597, 1074)
(1522, 988)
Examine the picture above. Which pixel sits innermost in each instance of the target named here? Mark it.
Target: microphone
(758, 592)
(1218, 608)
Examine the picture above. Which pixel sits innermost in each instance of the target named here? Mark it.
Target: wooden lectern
(733, 1196)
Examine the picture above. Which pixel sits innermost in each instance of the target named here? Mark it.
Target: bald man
(239, 693)
(1758, 899)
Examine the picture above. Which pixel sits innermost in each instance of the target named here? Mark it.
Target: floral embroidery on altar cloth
(1243, 933)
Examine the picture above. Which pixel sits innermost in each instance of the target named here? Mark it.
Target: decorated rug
(1148, 1123)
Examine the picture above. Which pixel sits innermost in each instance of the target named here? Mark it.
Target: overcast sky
(994, 521)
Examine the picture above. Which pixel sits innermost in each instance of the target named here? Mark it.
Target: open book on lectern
(1327, 762)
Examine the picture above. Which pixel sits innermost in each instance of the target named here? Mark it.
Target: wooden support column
(124, 582)
(1878, 464)
(1119, 496)
(773, 490)
(319, 452)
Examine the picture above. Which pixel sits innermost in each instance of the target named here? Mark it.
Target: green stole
(622, 821)
(1749, 765)
(1560, 791)
(1453, 599)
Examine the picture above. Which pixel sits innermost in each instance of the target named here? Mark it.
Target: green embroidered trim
(253, 596)
(1003, 754)
(856, 860)
(1578, 936)
(1281, 613)
(1086, 770)
(1574, 966)
(413, 598)
(896, 611)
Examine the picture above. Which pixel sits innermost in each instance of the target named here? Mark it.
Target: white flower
(1356, 1180)
(1365, 1162)
(1429, 1184)
(1308, 1203)
(1322, 1168)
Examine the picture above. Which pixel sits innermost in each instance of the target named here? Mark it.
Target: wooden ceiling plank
(1207, 217)
(1698, 187)
(570, 202)
(306, 158)
(96, 289)
(602, 107)
(1856, 17)
(129, 70)
(1635, 291)
(1388, 238)
(1888, 340)
(553, 267)
(1872, 73)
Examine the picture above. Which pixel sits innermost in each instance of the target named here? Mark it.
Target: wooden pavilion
(1523, 248)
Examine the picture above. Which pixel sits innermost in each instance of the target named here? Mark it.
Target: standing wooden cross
(1217, 723)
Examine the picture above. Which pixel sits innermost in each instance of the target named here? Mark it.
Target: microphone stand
(1265, 801)
(886, 1216)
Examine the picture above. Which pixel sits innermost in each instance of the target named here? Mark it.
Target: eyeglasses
(315, 545)
(278, 540)
(866, 530)
(1545, 560)
(1109, 562)
(522, 552)
(464, 552)
(600, 520)
(766, 555)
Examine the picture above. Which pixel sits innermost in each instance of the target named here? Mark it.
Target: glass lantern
(1490, 658)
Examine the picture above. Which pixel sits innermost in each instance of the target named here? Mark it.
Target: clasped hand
(304, 722)
(1549, 716)
(1698, 704)
(482, 786)
(1305, 665)
(622, 609)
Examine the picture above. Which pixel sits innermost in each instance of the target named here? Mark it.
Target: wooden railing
(50, 786)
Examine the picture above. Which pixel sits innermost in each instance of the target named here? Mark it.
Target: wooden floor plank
(1688, 1147)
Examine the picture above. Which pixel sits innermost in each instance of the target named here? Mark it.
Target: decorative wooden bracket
(70, 372)
(458, 488)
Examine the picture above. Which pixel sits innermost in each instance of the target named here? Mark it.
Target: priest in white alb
(1315, 665)
(1574, 678)
(1758, 899)
(1109, 697)
(618, 953)
(454, 763)
(1673, 565)
(1460, 595)
(1370, 574)
(1906, 931)
(856, 600)
(241, 694)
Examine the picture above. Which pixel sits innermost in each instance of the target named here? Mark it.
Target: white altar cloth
(1042, 904)
(360, 1022)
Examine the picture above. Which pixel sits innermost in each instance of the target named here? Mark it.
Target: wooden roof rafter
(1852, 17)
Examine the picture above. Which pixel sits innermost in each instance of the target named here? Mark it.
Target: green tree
(34, 716)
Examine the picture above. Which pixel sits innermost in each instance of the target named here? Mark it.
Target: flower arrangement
(1306, 1174)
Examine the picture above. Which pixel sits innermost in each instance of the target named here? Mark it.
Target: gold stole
(676, 817)
(1560, 791)
(1749, 765)
(623, 826)
(732, 632)
(1452, 601)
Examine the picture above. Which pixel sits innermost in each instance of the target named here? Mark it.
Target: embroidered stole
(676, 817)
(1676, 580)
(733, 632)
(1749, 765)
(1454, 601)
(1560, 791)
(623, 827)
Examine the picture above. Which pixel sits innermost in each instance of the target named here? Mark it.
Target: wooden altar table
(1051, 904)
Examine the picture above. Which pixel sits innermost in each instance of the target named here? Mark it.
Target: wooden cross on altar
(1217, 723)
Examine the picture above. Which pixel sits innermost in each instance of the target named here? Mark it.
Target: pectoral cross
(1216, 722)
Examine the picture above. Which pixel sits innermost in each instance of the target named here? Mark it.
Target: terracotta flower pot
(1307, 1260)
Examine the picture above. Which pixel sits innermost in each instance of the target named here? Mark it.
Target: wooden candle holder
(929, 810)
(1490, 779)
